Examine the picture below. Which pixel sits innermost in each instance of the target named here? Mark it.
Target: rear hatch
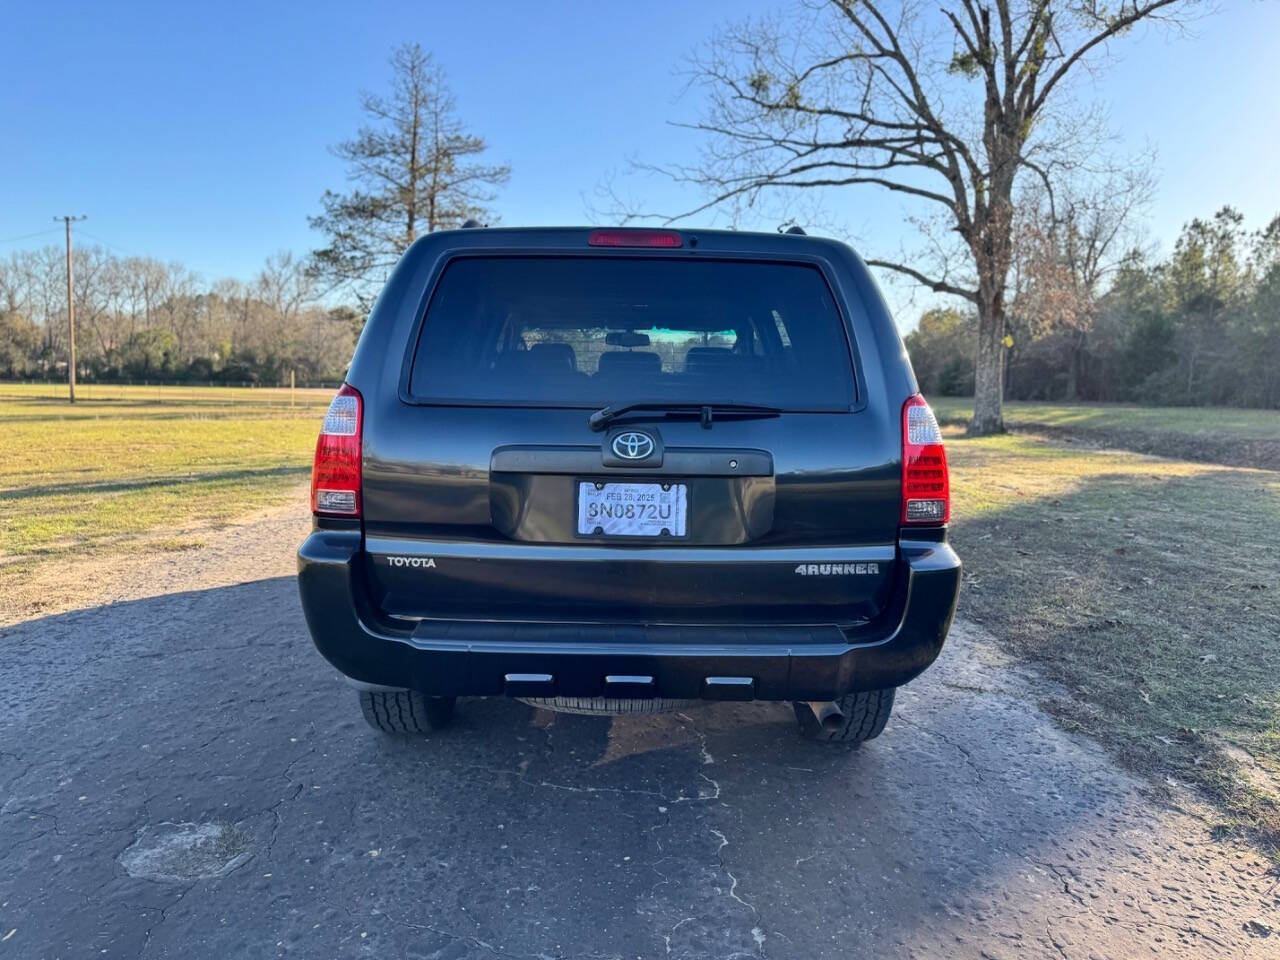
(737, 476)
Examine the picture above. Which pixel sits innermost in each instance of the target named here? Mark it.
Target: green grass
(1211, 434)
(1198, 421)
(125, 462)
(1148, 589)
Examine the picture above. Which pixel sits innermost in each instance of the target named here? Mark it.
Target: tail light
(635, 238)
(335, 476)
(926, 489)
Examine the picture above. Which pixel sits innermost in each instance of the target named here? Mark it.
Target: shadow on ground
(136, 485)
(1149, 593)
(184, 777)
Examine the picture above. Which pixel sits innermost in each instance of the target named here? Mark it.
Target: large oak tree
(948, 105)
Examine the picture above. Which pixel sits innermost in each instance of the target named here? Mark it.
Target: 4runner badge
(412, 562)
(833, 569)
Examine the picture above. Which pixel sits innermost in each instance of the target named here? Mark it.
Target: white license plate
(632, 509)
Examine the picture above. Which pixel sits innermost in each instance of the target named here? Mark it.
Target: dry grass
(124, 463)
(1146, 587)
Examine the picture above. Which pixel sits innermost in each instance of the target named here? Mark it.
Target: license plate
(632, 509)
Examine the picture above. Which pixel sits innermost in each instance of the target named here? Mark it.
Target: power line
(28, 236)
(92, 236)
(106, 243)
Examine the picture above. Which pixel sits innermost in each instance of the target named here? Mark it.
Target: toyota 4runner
(613, 470)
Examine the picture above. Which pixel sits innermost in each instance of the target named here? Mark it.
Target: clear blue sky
(199, 132)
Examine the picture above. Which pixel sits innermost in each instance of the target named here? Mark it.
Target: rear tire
(861, 717)
(405, 711)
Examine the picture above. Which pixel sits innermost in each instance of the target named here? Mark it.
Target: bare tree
(411, 176)
(93, 282)
(1065, 247)
(174, 311)
(146, 318)
(284, 285)
(19, 333)
(947, 111)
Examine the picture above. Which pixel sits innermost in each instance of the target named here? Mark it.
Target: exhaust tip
(828, 713)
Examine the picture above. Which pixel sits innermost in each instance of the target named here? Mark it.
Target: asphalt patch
(184, 852)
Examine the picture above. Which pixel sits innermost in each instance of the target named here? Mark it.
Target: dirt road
(181, 775)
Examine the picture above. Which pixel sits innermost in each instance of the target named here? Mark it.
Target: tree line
(967, 112)
(1200, 326)
(413, 170)
(138, 318)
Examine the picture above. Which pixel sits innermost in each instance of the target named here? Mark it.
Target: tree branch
(1140, 11)
(937, 286)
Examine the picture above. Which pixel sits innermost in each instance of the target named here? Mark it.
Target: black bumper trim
(471, 658)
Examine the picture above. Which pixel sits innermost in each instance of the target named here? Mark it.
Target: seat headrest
(553, 356)
(627, 364)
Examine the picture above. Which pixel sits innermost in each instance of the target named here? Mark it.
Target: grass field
(1147, 588)
(1249, 438)
(128, 461)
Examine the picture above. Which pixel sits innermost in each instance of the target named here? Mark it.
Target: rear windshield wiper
(605, 415)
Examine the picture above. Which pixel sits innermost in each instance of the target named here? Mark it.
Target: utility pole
(71, 314)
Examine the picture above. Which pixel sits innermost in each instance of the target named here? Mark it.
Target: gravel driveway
(181, 775)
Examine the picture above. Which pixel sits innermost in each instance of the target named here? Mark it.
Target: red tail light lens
(635, 238)
(926, 488)
(335, 476)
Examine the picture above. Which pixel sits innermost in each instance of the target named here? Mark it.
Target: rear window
(589, 331)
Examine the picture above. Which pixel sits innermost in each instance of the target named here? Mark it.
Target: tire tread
(405, 711)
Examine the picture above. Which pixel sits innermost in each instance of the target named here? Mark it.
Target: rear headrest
(553, 356)
(626, 364)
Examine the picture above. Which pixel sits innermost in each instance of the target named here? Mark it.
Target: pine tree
(411, 174)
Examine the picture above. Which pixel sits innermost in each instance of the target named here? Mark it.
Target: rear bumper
(716, 662)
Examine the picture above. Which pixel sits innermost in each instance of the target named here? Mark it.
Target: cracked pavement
(186, 702)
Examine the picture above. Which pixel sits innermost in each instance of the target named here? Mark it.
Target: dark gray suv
(617, 470)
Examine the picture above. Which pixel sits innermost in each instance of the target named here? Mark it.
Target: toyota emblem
(632, 445)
